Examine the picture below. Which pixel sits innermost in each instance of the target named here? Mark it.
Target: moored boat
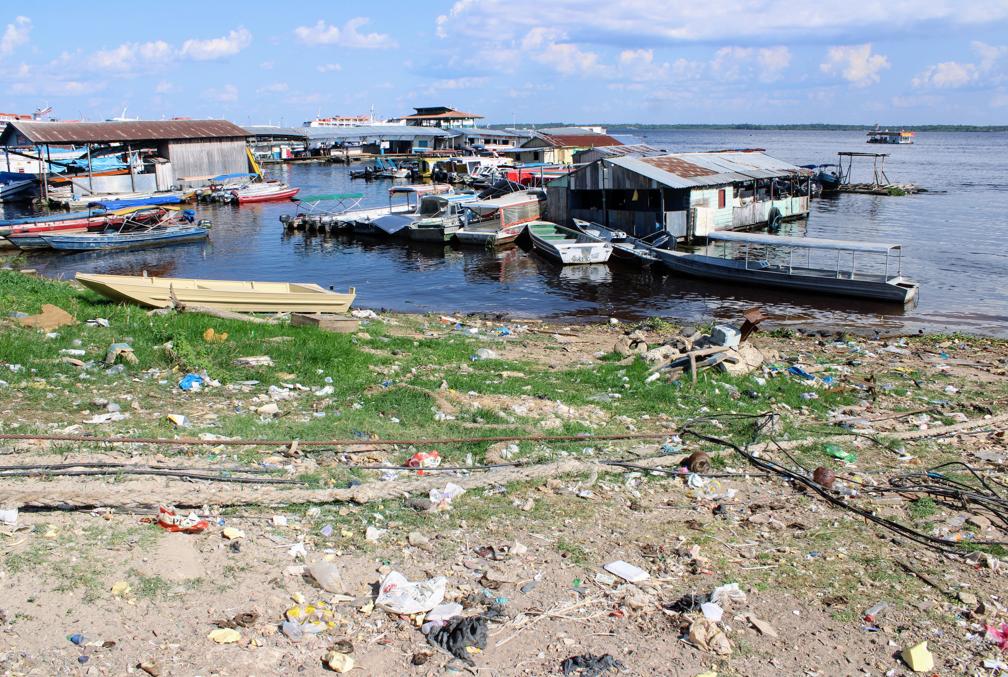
(127, 240)
(439, 217)
(233, 295)
(851, 281)
(566, 245)
(639, 251)
(267, 191)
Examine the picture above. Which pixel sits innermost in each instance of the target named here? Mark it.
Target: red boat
(270, 191)
(27, 235)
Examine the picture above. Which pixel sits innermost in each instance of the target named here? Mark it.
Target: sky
(587, 61)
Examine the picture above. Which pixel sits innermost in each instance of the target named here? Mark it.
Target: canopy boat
(139, 200)
(439, 217)
(233, 295)
(136, 231)
(828, 176)
(31, 236)
(498, 221)
(566, 245)
(362, 221)
(840, 281)
(266, 191)
(639, 251)
(311, 216)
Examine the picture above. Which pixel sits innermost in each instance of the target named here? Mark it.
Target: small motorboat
(30, 236)
(639, 251)
(440, 217)
(312, 217)
(566, 245)
(233, 295)
(266, 191)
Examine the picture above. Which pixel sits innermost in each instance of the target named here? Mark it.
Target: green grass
(573, 552)
(922, 508)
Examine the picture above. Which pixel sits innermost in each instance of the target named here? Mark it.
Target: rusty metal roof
(111, 132)
(586, 140)
(677, 166)
(690, 170)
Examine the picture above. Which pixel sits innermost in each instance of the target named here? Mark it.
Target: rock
(622, 347)
(339, 662)
(661, 354)
(150, 667)
(742, 360)
(979, 521)
(968, 598)
(723, 335)
(418, 540)
(270, 409)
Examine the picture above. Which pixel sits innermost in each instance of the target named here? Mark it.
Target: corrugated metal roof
(691, 170)
(582, 140)
(385, 132)
(108, 132)
(639, 149)
(450, 114)
(806, 242)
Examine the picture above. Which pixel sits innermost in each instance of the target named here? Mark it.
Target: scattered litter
(461, 637)
(728, 594)
(918, 657)
(400, 596)
(484, 354)
(98, 322)
(178, 420)
(117, 350)
(364, 314)
(170, 521)
(761, 626)
(110, 417)
(9, 516)
(224, 635)
(998, 635)
(712, 611)
(339, 662)
(373, 533)
(441, 499)
(424, 459)
(232, 533)
(875, 611)
(327, 575)
(626, 571)
(706, 635)
(838, 453)
(254, 361)
(211, 335)
(590, 665)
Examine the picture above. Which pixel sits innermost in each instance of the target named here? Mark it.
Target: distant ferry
(878, 135)
(351, 121)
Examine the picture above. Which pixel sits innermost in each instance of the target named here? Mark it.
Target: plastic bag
(401, 596)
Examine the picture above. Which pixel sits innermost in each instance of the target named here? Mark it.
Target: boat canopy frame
(344, 202)
(809, 244)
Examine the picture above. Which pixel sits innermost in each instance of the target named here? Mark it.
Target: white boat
(15, 190)
(755, 267)
(440, 217)
(637, 250)
(566, 245)
(362, 221)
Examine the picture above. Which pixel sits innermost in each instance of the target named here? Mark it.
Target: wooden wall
(205, 158)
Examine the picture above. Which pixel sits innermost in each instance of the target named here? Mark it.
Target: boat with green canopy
(320, 213)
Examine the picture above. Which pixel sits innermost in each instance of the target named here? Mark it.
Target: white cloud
(765, 64)
(639, 65)
(323, 33)
(637, 22)
(132, 56)
(217, 48)
(459, 83)
(164, 87)
(223, 94)
(273, 88)
(855, 63)
(954, 74)
(15, 35)
(328, 67)
(548, 46)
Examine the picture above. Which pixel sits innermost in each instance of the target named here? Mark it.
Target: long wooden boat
(566, 245)
(153, 237)
(633, 250)
(842, 281)
(489, 233)
(234, 295)
(30, 236)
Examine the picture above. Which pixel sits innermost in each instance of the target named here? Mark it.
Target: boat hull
(567, 246)
(237, 296)
(433, 233)
(695, 265)
(267, 197)
(104, 242)
(489, 237)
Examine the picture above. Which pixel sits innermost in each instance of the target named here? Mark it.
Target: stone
(270, 409)
(418, 540)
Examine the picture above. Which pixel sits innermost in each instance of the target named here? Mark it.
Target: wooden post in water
(90, 174)
(129, 163)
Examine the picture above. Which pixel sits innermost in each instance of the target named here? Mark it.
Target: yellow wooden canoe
(234, 295)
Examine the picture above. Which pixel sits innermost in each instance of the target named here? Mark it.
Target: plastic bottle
(872, 614)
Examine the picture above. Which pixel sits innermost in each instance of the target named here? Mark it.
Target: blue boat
(55, 216)
(154, 237)
(138, 202)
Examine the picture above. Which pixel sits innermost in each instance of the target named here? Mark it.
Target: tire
(774, 219)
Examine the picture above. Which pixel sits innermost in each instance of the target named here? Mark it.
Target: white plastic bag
(401, 596)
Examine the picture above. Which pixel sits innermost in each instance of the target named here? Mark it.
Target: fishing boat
(566, 245)
(439, 217)
(266, 191)
(16, 190)
(321, 213)
(136, 231)
(233, 295)
(31, 236)
(753, 269)
(639, 251)
(901, 137)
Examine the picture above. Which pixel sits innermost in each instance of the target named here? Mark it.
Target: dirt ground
(529, 555)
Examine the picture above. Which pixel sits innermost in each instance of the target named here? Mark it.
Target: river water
(954, 238)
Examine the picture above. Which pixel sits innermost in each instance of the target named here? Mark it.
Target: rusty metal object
(824, 477)
(753, 317)
(698, 462)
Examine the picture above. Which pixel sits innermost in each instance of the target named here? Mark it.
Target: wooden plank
(341, 324)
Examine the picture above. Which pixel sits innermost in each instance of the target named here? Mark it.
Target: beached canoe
(234, 295)
(566, 245)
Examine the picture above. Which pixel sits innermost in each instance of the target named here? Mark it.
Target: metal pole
(129, 161)
(90, 176)
(45, 178)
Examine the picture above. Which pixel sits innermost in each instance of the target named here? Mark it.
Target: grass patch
(922, 508)
(572, 552)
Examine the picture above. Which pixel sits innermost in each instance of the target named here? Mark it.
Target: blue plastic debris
(191, 382)
(798, 371)
(77, 638)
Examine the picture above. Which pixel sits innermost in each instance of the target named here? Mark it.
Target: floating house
(686, 194)
(158, 156)
(558, 145)
(440, 116)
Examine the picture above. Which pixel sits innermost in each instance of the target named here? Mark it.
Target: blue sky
(719, 61)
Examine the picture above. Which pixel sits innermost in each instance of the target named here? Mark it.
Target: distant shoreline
(629, 127)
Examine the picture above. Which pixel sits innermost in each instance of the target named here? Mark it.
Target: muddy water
(954, 237)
